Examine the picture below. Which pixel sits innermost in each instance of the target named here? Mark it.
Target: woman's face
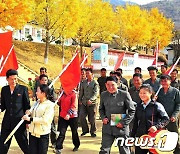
(40, 94)
(145, 95)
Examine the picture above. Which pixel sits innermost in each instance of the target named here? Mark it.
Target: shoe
(53, 146)
(93, 135)
(75, 149)
(84, 133)
(57, 151)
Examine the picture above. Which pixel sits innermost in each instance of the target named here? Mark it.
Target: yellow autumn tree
(15, 13)
(133, 26)
(59, 18)
(97, 22)
(161, 29)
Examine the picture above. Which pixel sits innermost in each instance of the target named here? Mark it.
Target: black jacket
(153, 115)
(14, 104)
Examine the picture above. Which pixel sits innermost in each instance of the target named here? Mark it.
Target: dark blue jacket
(153, 115)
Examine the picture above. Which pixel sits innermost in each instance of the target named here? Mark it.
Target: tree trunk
(46, 48)
(62, 48)
(81, 48)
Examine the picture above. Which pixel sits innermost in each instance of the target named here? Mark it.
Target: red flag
(5, 48)
(119, 61)
(168, 72)
(71, 76)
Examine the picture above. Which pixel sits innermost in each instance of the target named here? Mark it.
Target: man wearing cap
(153, 80)
(115, 102)
(169, 97)
(15, 102)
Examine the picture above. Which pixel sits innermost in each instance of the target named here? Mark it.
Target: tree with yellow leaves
(97, 22)
(134, 28)
(161, 29)
(59, 18)
(138, 27)
(15, 13)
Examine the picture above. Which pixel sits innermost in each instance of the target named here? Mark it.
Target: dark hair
(137, 75)
(11, 72)
(112, 72)
(175, 70)
(43, 68)
(119, 69)
(103, 69)
(112, 78)
(164, 66)
(165, 77)
(148, 88)
(138, 68)
(83, 69)
(117, 73)
(89, 69)
(152, 68)
(45, 89)
(42, 76)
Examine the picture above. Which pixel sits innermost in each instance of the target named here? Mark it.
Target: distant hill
(120, 2)
(170, 8)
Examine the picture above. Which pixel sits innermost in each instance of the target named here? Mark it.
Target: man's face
(83, 74)
(165, 83)
(89, 75)
(111, 86)
(137, 71)
(42, 72)
(12, 80)
(103, 73)
(44, 80)
(163, 69)
(137, 81)
(174, 75)
(153, 74)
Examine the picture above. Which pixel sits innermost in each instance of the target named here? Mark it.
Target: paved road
(88, 145)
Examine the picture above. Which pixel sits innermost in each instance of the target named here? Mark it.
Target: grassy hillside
(32, 55)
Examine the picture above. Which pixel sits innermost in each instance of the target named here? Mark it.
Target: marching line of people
(138, 111)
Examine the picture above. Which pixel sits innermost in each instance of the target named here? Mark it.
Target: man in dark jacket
(169, 97)
(15, 102)
(115, 102)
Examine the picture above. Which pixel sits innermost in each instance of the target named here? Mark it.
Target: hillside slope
(31, 55)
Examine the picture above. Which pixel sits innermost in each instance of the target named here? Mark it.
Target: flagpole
(174, 66)
(63, 70)
(157, 52)
(22, 120)
(82, 63)
(6, 59)
(168, 74)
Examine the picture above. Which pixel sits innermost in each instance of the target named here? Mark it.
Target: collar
(113, 94)
(145, 105)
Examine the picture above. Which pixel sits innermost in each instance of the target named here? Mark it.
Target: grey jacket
(118, 103)
(88, 92)
(170, 101)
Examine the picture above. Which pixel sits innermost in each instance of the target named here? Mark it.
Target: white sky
(141, 2)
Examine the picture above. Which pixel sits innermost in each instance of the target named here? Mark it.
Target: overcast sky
(141, 2)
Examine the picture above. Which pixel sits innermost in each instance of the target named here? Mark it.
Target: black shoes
(93, 135)
(84, 133)
(75, 149)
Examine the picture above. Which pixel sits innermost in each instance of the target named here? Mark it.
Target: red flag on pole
(119, 61)
(168, 72)
(71, 76)
(7, 53)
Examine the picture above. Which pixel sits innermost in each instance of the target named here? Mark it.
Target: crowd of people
(142, 107)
